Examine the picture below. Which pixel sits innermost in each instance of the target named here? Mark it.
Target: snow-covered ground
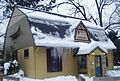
(20, 75)
(59, 78)
(111, 73)
(114, 73)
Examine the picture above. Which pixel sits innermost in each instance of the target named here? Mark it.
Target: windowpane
(81, 34)
(82, 62)
(54, 62)
(26, 53)
(106, 61)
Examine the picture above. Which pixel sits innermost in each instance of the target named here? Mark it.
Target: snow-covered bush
(6, 67)
(11, 67)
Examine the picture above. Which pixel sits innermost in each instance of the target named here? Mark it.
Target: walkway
(102, 79)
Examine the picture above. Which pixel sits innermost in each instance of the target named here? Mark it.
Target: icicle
(65, 50)
(68, 51)
(62, 51)
(59, 52)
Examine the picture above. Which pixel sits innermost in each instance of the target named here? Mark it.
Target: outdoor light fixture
(92, 53)
(103, 53)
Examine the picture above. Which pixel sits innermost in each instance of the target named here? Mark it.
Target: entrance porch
(96, 63)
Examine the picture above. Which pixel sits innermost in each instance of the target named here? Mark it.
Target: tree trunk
(99, 13)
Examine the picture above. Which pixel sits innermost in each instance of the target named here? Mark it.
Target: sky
(90, 8)
(63, 10)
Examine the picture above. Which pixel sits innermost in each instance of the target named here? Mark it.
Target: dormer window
(81, 33)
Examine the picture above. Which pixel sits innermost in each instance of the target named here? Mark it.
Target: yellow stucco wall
(36, 65)
(90, 65)
(27, 65)
(110, 60)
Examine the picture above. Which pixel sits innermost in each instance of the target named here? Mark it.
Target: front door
(98, 66)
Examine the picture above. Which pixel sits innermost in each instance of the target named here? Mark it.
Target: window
(81, 33)
(26, 53)
(106, 61)
(54, 61)
(82, 62)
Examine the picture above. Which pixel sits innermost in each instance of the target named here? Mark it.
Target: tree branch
(111, 25)
(99, 13)
(113, 13)
(93, 20)
(61, 4)
(77, 7)
(105, 4)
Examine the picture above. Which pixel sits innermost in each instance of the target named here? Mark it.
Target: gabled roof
(86, 49)
(55, 31)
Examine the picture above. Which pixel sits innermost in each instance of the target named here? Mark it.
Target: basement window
(26, 53)
(54, 61)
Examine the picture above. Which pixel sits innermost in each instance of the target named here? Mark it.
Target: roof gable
(100, 49)
(87, 49)
(18, 34)
(96, 32)
(81, 33)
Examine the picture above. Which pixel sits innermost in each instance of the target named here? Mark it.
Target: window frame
(52, 64)
(106, 57)
(26, 53)
(84, 57)
(81, 27)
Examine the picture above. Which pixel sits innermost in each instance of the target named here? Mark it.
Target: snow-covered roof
(55, 31)
(42, 15)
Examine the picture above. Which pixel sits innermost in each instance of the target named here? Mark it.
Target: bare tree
(76, 9)
(79, 8)
(100, 4)
(114, 19)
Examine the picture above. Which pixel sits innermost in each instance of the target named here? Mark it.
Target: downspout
(35, 60)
